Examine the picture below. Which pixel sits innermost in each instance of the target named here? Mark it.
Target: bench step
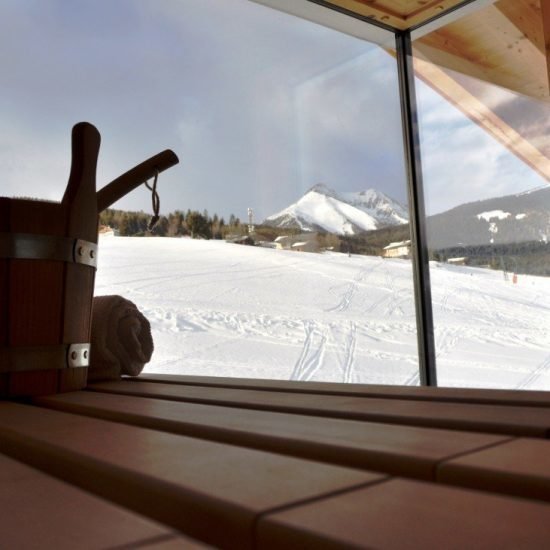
(422, 393)
(501, 419)
(400, 514)
(39, 511)
(186, 483)
(400, 450)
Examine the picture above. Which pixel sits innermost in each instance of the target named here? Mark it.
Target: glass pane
(289, 135)
(484, 112)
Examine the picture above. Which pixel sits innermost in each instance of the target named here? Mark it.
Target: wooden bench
(177, 461)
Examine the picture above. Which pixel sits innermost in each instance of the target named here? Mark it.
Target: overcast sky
(259, 106)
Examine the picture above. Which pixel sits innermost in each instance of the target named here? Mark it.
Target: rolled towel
(121, 340)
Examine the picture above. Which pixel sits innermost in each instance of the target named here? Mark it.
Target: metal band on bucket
(33, 358)
(26, 246)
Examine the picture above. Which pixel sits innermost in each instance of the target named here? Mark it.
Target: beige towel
(121, 339)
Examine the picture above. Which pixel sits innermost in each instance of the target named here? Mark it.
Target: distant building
(398, 250)
(266, 244)
(107, 231)
(304, 242)
(241, 239)
(457, 261)
(306, 246)
(283, 242)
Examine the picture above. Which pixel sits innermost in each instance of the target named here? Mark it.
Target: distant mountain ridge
(523, 217)
(323, 209)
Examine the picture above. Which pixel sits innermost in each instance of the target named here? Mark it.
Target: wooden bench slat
(399, 514)
(171, 544)
(526, 421)
(210, 491)
(520, 467)
(398, 450)
(422, 393)
(39, 511)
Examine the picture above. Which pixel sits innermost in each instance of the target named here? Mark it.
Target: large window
(290, 138)
(284, 248)
(485, 161)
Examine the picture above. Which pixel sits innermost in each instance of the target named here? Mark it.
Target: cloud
(259, 105)
(350, 126)
(462, 163)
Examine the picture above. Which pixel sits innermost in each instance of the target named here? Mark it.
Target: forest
(176, 224)
(529, 257)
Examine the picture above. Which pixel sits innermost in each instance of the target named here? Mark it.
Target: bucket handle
(134, 178)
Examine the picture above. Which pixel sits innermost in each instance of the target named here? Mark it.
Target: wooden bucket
(48, 258)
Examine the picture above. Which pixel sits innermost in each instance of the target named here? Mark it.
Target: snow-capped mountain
(323, 209)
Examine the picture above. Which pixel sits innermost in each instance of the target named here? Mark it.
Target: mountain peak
(322, 208)
(322, 189)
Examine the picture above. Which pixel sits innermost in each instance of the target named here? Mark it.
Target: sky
(258, 105)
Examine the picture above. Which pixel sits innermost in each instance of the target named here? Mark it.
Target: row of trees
(193, 223)
(525, 257)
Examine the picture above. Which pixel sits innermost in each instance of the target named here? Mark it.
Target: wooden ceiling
(400, 14)
(505, 44)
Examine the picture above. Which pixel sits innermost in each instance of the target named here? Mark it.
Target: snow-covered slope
(221, 309)
(323, 209)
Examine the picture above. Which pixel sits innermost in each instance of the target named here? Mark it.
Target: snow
(378, 205)
(328, 212)
(341, 214)
(520, 216)
(488, 216)
(230, 310)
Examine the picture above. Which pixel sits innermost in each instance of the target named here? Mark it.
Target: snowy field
(222, 309)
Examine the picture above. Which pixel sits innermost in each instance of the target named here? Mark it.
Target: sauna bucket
(48, 258)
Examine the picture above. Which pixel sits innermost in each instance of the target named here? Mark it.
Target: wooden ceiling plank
(372, 12)
(545, 12)
(400, 14)
(428, 11)
(526, 16)
(483, 116)
(491, 41)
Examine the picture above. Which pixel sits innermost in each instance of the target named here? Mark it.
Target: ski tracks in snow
(446, 339)
(349, 355)
(352, 288)
(529, 381)
(318, 340)
(312, 354)
(393, 301)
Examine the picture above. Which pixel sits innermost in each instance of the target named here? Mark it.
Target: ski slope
(221, 309)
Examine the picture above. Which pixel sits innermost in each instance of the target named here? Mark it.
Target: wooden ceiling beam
(372, 11)
(492, 46)
(399, 14)
(545, 13)
(429, 10)
(483, 116)
(526, 16)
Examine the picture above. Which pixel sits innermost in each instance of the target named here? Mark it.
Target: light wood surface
(405, 514)
(422, 393)
(291, 466)
(392, 449)
(503, 419)
(39, 511)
